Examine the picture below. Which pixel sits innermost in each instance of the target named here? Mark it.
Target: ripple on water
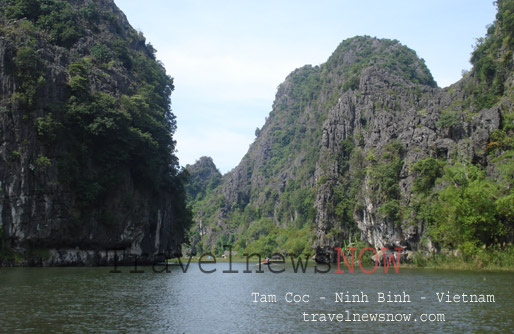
(92, 300)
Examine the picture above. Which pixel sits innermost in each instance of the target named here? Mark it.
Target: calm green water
(93, 300)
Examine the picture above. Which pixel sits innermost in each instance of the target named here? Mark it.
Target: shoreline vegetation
(499, 258)
(483, 259)
(364, 147)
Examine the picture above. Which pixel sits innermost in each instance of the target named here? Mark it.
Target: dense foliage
(468, 205)
(492, 58)
(458, 204)
(115, 115)
(279, 213)
(57, 18)
(388, 54)
(251, 219)
(203, 177)
(467, 209)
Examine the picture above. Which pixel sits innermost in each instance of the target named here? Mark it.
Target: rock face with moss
(203, 176)
(86, 147)
(366, 147)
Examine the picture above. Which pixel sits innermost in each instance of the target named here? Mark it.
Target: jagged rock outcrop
(366, 147)
(86, 153)
(386, 109)
(203, 176)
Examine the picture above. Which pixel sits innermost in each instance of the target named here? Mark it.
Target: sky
(227, 58)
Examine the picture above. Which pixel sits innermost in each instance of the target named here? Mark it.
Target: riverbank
(478, 259)
(487, 259)
(483, 259)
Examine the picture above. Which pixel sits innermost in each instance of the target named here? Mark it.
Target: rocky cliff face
(339, 155)
(203, 176)
(86, 162)
(388, 120)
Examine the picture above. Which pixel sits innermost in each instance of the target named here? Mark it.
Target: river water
(94, 300)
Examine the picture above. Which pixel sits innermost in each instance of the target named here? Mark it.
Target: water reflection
(77, 300)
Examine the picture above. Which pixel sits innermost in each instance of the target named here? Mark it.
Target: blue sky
(228, 57)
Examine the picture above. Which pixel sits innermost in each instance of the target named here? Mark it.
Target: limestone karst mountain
(366, 147)
(87, 158)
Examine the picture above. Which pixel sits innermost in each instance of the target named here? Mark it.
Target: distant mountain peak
(357, 53)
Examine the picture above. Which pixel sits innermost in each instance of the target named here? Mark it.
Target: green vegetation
(99, 132)
(56, 18)
(249, 224)
(448, 119)
(387, 54)
(465, 211)
(384, 177)
(428, 171)
(263, 237)
(203, 178)
(284, 206)
(492, 58)
(138, 128)
(42, 162)
(464, 208)
(468, 210)
(30, 71)
(461, 208)
(497, 257)
(101, 53)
